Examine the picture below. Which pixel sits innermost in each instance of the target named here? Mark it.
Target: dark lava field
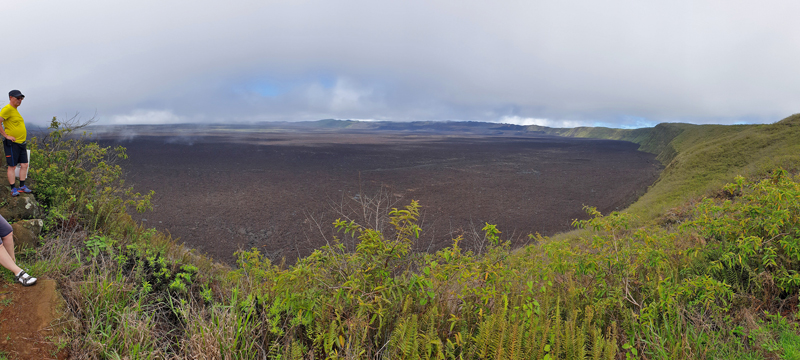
(280, 192)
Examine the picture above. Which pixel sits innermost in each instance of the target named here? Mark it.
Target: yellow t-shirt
(13, 123)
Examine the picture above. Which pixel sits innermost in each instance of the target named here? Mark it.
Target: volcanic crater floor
(280, 193)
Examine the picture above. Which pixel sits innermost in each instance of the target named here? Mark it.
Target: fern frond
(485, 329)
(610, 352)
(410, 339)
(597, 346)
(501, 323)
(515, 343)
(556, 333)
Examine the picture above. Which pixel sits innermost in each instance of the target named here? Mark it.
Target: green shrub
(78, 178)
(753, 233)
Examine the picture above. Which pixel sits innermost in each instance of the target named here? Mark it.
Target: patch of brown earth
(27, 315)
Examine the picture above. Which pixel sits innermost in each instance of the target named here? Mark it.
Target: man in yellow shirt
(14, 136)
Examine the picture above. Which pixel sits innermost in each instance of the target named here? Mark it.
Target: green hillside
(699, 159)
(715, 276)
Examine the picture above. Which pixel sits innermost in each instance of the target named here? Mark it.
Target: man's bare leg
(12, 179)
(23, 171)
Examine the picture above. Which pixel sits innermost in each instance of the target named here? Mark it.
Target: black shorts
(5, 229)
(16, 153)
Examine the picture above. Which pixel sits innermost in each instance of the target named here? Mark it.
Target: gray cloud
(621, 63)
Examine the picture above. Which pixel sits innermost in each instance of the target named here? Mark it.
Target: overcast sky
(557, 63)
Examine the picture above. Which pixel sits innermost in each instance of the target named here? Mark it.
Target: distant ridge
(423, 126)
(327, 125)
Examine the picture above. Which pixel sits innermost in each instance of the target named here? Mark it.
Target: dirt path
(26, 318)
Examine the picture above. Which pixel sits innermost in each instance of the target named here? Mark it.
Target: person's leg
(23, 171)
(23, 174)
(7, 261)
(8, 244)
(7, 258)
(8, 147)
(11, 178)
(7, 239)
(22, 160)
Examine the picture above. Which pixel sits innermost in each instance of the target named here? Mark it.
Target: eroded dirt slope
(27, 317)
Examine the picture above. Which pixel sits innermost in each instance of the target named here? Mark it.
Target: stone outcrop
(24, 214)
(19, 207)
(26, 232)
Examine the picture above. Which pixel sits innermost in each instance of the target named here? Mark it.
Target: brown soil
(280, 192)
(27, 315)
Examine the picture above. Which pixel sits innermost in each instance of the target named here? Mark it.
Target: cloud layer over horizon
(618, 63)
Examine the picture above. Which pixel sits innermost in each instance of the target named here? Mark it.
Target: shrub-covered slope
(701, 158)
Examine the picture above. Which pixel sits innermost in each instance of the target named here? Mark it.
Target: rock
(26, 233)
(20, 207)
(14, 208)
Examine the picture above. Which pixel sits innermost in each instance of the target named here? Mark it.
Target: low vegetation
(702, 158)
(704, 266)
